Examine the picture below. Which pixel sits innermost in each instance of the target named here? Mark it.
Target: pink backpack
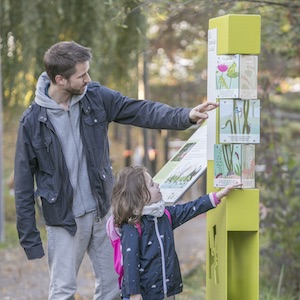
(114, 235)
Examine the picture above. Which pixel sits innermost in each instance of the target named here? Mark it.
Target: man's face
(77, 82)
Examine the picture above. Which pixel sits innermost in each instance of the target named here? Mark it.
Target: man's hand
(199, 113)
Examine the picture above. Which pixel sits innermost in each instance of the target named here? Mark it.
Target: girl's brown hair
(130, 194)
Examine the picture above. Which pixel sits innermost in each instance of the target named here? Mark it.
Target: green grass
(10, 231)
(270, 294)
(10, 236)
(11, 239)
(194, 284)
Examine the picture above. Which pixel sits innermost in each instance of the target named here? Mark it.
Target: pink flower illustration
(222, 68)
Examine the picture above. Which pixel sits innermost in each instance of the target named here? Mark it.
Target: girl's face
(153, 189)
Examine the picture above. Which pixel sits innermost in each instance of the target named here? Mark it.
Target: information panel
(184, 168)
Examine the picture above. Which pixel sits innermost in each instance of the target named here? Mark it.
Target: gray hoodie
(66, 125)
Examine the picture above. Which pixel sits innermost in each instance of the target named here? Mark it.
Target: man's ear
(59, 80)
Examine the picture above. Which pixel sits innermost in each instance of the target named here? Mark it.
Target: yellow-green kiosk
(232, 256)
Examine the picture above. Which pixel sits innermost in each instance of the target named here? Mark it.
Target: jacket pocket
(95, 117)
(105, 178)
(103, 184)
(42, 147)
(52, 211)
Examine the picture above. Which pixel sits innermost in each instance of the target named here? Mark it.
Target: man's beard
(73, 91)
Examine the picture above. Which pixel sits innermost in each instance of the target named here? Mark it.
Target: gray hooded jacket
(65, 155)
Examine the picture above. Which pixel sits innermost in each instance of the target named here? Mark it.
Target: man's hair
(130, 194)
(61, 59)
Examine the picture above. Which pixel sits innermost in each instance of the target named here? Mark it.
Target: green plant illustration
(233, 167)
(239, 115)
(246, 125)
(227, 152)
(232, 73)
(222, 68)
(223, 82)
(238, 169)
(219, 164)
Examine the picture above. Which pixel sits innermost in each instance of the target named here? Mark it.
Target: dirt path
(21, 279)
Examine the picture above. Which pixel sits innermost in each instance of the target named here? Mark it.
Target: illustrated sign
(239, 121)
(184, 168)
(234, 164)
(236, 76)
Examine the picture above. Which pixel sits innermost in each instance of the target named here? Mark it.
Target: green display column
(232, 262)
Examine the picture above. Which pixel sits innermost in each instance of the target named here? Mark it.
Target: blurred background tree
(161, 45)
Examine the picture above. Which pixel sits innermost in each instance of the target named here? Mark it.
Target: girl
(151, 266)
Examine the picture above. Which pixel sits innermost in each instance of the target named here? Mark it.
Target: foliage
(112, 30)
(177, 36)
(116, 30)
(279, 191)
(172, 36)
(282, 225)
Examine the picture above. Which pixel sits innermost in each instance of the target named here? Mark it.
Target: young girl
(151, 266)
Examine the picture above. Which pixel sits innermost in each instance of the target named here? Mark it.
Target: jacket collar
(85, 105)
(43, 115)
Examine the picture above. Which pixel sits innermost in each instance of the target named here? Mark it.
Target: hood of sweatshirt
(42, 99)
(67, 128)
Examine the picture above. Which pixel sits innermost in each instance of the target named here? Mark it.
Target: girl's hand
(224, 192)
(136, 297)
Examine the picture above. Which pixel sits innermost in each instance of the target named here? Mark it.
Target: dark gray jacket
(39, 157)
(142, 256)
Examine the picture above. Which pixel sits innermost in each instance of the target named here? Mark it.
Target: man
(63, 151)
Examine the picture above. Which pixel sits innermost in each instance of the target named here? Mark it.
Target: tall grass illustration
(227, 152)
(237, 115)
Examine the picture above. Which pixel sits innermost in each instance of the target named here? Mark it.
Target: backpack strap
(112, 231)
(114, 236)
(169, 215)
(139, 228)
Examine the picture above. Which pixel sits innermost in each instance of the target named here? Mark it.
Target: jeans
(65, 255)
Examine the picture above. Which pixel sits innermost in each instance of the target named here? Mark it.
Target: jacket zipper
(97, 217)
(162, 258)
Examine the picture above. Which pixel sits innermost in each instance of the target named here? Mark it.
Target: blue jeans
(66, 252)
